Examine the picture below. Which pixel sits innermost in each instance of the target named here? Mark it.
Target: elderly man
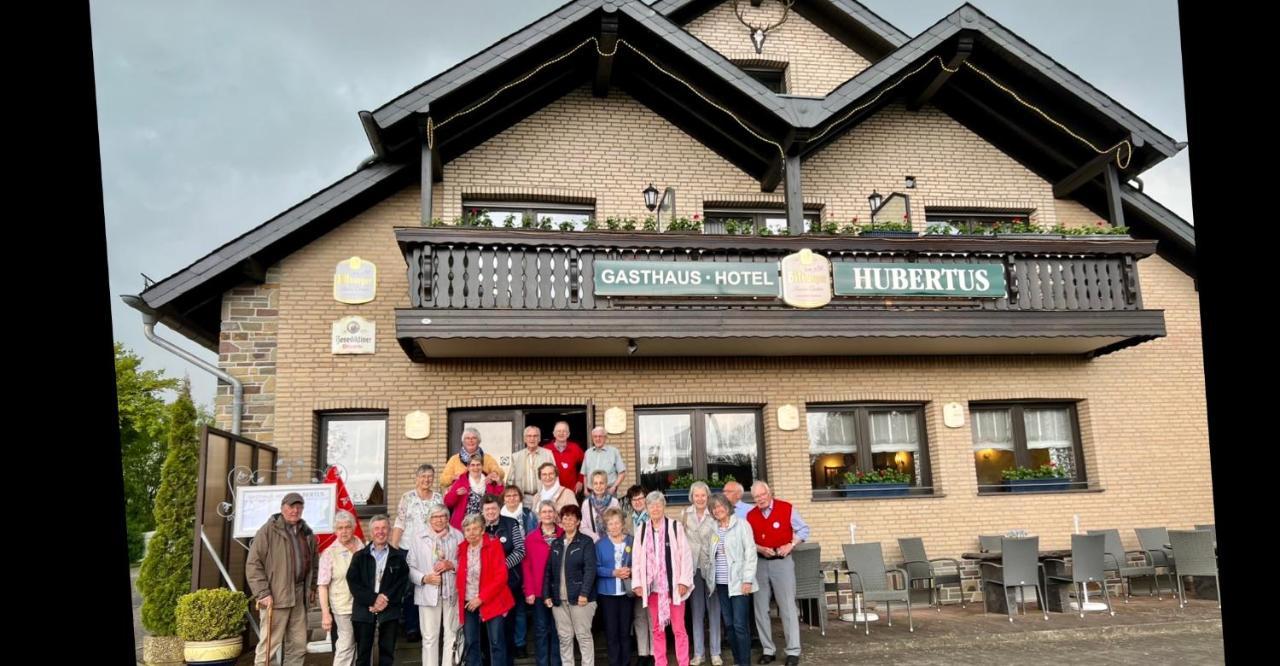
(457, 465)
(568, 458)
(525, 464)
(602, 457)
(377, 577)
(733, 492)
(411, 517)
(778, 529)
(281, 570)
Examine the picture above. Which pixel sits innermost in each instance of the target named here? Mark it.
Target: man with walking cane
(281, 570)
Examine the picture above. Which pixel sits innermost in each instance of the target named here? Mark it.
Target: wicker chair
(919, 567)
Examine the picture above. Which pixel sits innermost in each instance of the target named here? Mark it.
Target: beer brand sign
(806, 280)
(355, 281)
(353, 335)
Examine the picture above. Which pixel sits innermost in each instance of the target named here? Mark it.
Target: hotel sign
(690, 278)
(802, 280)
(949, 280)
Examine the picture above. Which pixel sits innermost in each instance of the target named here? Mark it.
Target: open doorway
(501, 428)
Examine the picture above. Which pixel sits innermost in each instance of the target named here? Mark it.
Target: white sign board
(417, 425)
(615, 420)
(256, 504)
(953, 415)
(788, 417)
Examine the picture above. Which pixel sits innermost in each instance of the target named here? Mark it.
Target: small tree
(166, 570)
(143, 431)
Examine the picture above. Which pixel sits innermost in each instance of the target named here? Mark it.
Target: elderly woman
(483, 596)
(466, 495)
(335, 596)
(569, 587)
(411, 516)
(597, 501)
(550, 490)
(662, 576)
(433, 560)
(537, 550)
(699, 526)
(633, 516)
(729, 567)
(613, 586)
(456, 466)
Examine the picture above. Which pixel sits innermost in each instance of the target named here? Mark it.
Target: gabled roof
(190, 299)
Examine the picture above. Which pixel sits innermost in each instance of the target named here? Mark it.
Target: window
(847, 439)
(975, 221)
(773, 78)
(708, 443)
(1030, 435)
(357, 442)
(518, 215)
(774, 220)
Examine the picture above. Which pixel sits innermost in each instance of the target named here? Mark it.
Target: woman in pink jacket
(537, 549)
(467, 493)
(662, 576)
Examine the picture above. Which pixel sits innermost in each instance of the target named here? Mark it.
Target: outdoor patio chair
(1193, 555)
(1087, 553)
(1019, 568)
(865, 562)
(989, 543)
(1213, 529)
(811, 580)
(1155, 540)
(919, 567)
(1116, 558)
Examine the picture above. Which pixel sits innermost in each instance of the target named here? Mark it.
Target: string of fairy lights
(1123, 150)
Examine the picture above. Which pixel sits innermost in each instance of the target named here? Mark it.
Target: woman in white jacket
(433, 561)
(729, 567)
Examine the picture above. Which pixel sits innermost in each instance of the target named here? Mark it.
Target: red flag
(344, 504)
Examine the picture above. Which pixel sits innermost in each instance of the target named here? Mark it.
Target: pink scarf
(658, 572)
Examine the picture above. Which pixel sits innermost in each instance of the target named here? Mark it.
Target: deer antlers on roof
(758, 33)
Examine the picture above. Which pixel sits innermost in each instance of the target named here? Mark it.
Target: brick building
(1089, 356)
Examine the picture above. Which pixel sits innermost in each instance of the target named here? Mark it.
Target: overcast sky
(215, 116)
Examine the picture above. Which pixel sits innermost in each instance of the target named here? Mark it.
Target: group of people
(522, 559)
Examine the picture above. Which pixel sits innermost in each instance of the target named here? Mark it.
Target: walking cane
(268, 650)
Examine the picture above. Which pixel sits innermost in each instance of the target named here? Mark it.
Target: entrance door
(501, 430)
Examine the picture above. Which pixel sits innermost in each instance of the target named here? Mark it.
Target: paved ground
(1144, 630)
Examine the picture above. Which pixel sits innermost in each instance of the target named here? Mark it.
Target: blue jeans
(517, 614)
(546, 642)
(496, 636)
(736, 611)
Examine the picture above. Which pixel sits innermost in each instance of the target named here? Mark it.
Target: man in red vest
(778, 529)
(568, 455)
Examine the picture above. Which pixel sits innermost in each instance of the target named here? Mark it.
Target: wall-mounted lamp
(632, 346)
(874, 200)
(651, 197)
(911, 182)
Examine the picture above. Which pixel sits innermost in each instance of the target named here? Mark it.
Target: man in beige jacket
(281, 570)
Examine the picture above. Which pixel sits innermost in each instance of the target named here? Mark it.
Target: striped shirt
(722, 562)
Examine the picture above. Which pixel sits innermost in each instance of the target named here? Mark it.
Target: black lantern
(651, 197)
(875, 200)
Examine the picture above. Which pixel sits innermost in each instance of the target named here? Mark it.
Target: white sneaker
(716, 661)
(696, 661)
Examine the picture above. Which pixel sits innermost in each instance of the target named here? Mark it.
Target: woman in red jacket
(466, 495)
(483, 595)
(537, 549)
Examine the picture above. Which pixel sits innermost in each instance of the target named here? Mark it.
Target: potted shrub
(1019, 228)
(887, 482)
(211, 625)
(887, 230)
(717, 484)
(678, 490)
(1036, 479)
(1099, 231)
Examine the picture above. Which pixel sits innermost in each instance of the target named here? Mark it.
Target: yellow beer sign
(806, 279)
(355, 281)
